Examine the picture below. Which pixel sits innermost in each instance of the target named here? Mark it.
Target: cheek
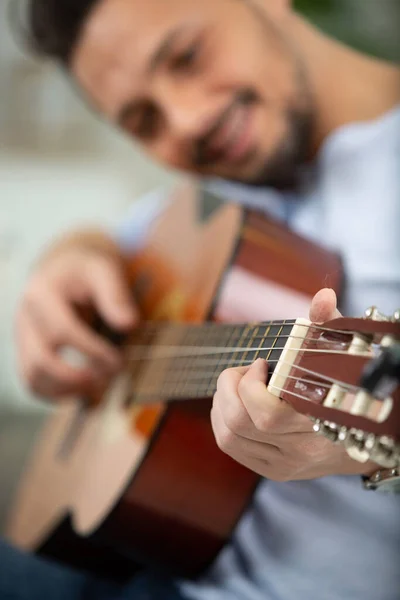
(263, 62)
(273, 82)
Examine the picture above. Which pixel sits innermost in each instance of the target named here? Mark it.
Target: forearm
(86, 240)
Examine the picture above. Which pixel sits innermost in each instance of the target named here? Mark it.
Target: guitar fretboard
(169, 361)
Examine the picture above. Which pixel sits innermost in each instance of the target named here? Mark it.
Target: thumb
(324, 306)
(111, 294)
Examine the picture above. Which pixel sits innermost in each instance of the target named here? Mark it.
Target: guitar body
(118, 485)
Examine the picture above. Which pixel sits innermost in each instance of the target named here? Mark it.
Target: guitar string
(155, 326)
(210, 350)
(221, 341)
(196, 351)
(348, 387)
(181, 376)
(253, 337)
(209, 376)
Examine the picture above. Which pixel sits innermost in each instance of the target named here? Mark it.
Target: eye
(186, 59)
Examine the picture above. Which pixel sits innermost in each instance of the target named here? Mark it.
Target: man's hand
(265, 434)
(84, 270)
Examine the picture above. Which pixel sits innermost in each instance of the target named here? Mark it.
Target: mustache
(201, 155)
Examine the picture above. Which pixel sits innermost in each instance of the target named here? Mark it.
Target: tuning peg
(386, 452)
(355, 444)
(327, 429)
(396, 316)
(375, 315)
(361, 446)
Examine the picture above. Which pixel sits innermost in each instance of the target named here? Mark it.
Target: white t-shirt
(325, 539)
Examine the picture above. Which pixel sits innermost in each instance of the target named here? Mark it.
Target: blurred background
(61, 167)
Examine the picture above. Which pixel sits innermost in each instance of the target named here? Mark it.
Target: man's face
(209, 87)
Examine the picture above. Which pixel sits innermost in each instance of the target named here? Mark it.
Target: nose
(188, 112)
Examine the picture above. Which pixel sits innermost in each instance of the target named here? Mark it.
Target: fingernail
(260, 361)
(259, 367)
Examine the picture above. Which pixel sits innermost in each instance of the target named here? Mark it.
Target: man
(281, 117)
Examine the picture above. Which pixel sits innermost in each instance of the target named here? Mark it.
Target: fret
(260, 344)
(242, 340)
(195, 375)
(274, 342)
(208, 340)
(250, 345)
(218, 370)
(264, 340)
(281, 337)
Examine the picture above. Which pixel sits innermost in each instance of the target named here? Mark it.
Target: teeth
(230, 132)
(236, 125)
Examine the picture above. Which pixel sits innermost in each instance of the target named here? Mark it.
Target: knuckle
(32, 375)
(314, 449)
(34, 299)
(265, 422)
(245, 388)
(26, 372)
(55, 334)
(38, 366)
(233, 418)
(34, 290)
(231, 411)
(27, 303)
(102, 264)
(224, 379)
(251, 390)
(225, 439)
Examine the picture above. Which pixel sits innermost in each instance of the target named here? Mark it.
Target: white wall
(60, 167)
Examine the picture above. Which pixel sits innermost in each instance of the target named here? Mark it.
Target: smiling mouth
(230, 141)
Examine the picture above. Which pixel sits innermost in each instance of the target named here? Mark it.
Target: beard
(283, 169)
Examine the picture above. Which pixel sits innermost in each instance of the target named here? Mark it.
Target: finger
(238, 447)
(230, 405)
(111, 294)
(323, 306)
(263, 458)
(60, 326)
(40, 367)
(270, 414)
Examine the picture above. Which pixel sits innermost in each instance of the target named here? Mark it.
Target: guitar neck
(170, 361)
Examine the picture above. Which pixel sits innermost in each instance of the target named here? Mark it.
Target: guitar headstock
(324, 382)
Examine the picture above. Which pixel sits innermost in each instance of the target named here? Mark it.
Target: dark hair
(51, 28)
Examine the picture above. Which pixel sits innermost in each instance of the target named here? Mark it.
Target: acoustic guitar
(138, 478)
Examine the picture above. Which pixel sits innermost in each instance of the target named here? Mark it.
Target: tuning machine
(360, 445)
(374, 393)
(374, 314)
